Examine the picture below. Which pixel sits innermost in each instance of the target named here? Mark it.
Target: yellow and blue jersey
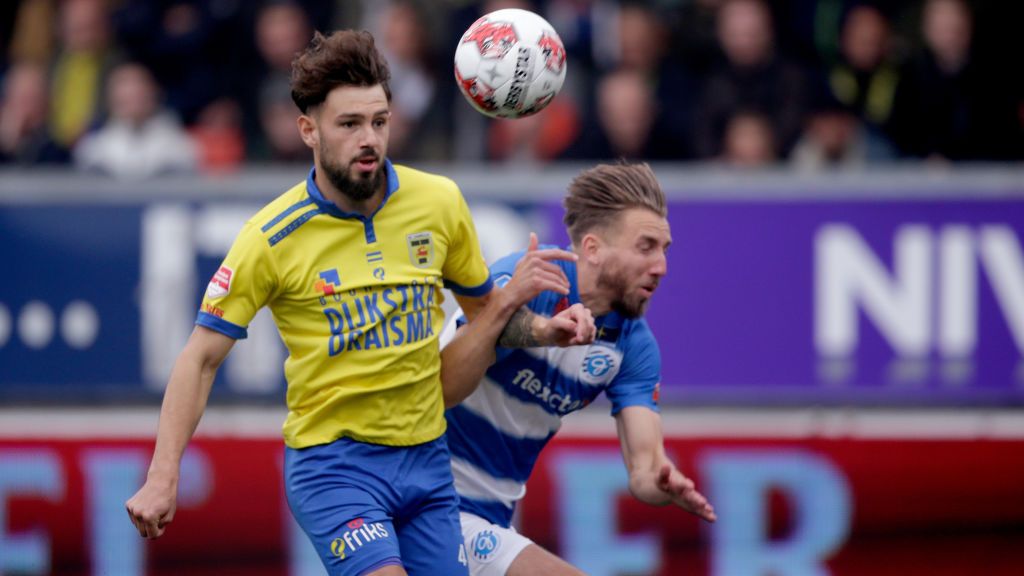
(357, 301)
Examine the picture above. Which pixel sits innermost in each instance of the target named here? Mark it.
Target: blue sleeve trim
(636, 401)
(471, 291)
(221, 325)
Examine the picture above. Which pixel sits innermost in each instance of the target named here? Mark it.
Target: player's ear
(590, 248)
(308, 130)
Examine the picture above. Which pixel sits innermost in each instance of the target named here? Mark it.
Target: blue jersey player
(507, 404)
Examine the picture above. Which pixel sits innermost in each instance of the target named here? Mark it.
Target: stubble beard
(612, 280)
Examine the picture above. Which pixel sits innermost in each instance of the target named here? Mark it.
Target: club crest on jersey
(421, 249)
(328, 282)
(220, 284)
(485, 545)
(597, 364)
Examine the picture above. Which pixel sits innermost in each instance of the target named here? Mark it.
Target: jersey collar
(328, 207)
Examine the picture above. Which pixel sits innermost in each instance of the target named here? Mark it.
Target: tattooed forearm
(518, 332)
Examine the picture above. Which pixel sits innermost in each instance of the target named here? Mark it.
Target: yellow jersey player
(351, 263)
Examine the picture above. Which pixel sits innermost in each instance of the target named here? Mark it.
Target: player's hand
(684, 493)
(536, 272)
(573, 326)
(152, 508)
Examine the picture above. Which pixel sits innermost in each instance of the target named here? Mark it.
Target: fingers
(533, 275)
(585, 329)
(696, 503)
(547, 253)
(685, 493)
(149, 523)
(554, 254)
(149, 527)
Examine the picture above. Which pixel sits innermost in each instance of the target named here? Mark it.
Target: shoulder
(637, 335)
(281, 209)
(434, 186)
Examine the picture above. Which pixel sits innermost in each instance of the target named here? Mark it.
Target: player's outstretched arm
(153, 506)
(653, 478)
(503, 318)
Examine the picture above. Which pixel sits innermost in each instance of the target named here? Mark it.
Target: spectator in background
(626, 124)
(281, 141)
(864, 79)
(752, 76)
(535, 139)
(24, 138)
(418, 116)
(836, 138)
(174, 39)
(639, 41)
(220, 143)
(947, 105)
(749, 141)
(282, 31)
(28, 26)
(84, 59)
(141, 138)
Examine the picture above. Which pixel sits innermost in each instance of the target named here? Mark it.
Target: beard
(615, 281)
(356, 189)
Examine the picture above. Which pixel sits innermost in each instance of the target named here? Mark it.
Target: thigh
(492, 549)
(535, 560)
(352, 532)
(429, 533)
(431, 542)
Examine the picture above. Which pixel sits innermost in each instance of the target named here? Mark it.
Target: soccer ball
(510, 63)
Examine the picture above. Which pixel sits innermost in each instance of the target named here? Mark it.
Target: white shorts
(491, 548)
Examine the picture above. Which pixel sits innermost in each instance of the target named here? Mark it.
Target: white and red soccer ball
(510, 63)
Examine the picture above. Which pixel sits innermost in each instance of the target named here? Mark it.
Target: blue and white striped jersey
(497, 433)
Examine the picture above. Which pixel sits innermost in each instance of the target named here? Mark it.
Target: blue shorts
(366, 506)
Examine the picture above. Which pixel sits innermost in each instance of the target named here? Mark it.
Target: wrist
(163, 475)
(538, 329)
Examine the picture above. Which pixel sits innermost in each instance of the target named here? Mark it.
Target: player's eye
(380, 122)
(348, 124)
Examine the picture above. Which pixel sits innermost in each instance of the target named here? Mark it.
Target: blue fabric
(366, 505)
(221, 325)
(623, 362)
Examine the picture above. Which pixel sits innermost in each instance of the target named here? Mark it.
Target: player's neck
(591, 295)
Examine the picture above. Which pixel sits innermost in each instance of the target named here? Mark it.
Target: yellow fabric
(360, 318)
(76, 83)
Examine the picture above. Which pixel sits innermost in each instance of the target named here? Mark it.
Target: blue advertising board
(808, 299)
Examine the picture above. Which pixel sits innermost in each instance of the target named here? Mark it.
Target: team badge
(220, 284)
(485, 545)
(600, 365)
(421, 249)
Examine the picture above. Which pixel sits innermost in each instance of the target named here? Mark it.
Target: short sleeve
(465, 270)
(240, 287)
(637, 383)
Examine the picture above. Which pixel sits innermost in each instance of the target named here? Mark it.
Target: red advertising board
(786, 505)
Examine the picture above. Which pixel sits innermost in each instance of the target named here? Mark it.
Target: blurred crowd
(141, 87)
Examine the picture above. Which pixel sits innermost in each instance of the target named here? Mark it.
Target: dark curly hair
(344, 58)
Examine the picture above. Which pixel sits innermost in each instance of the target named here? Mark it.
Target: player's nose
(659, 267)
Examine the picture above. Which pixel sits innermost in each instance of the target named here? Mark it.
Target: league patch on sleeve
(220, 284)
(656, 396)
